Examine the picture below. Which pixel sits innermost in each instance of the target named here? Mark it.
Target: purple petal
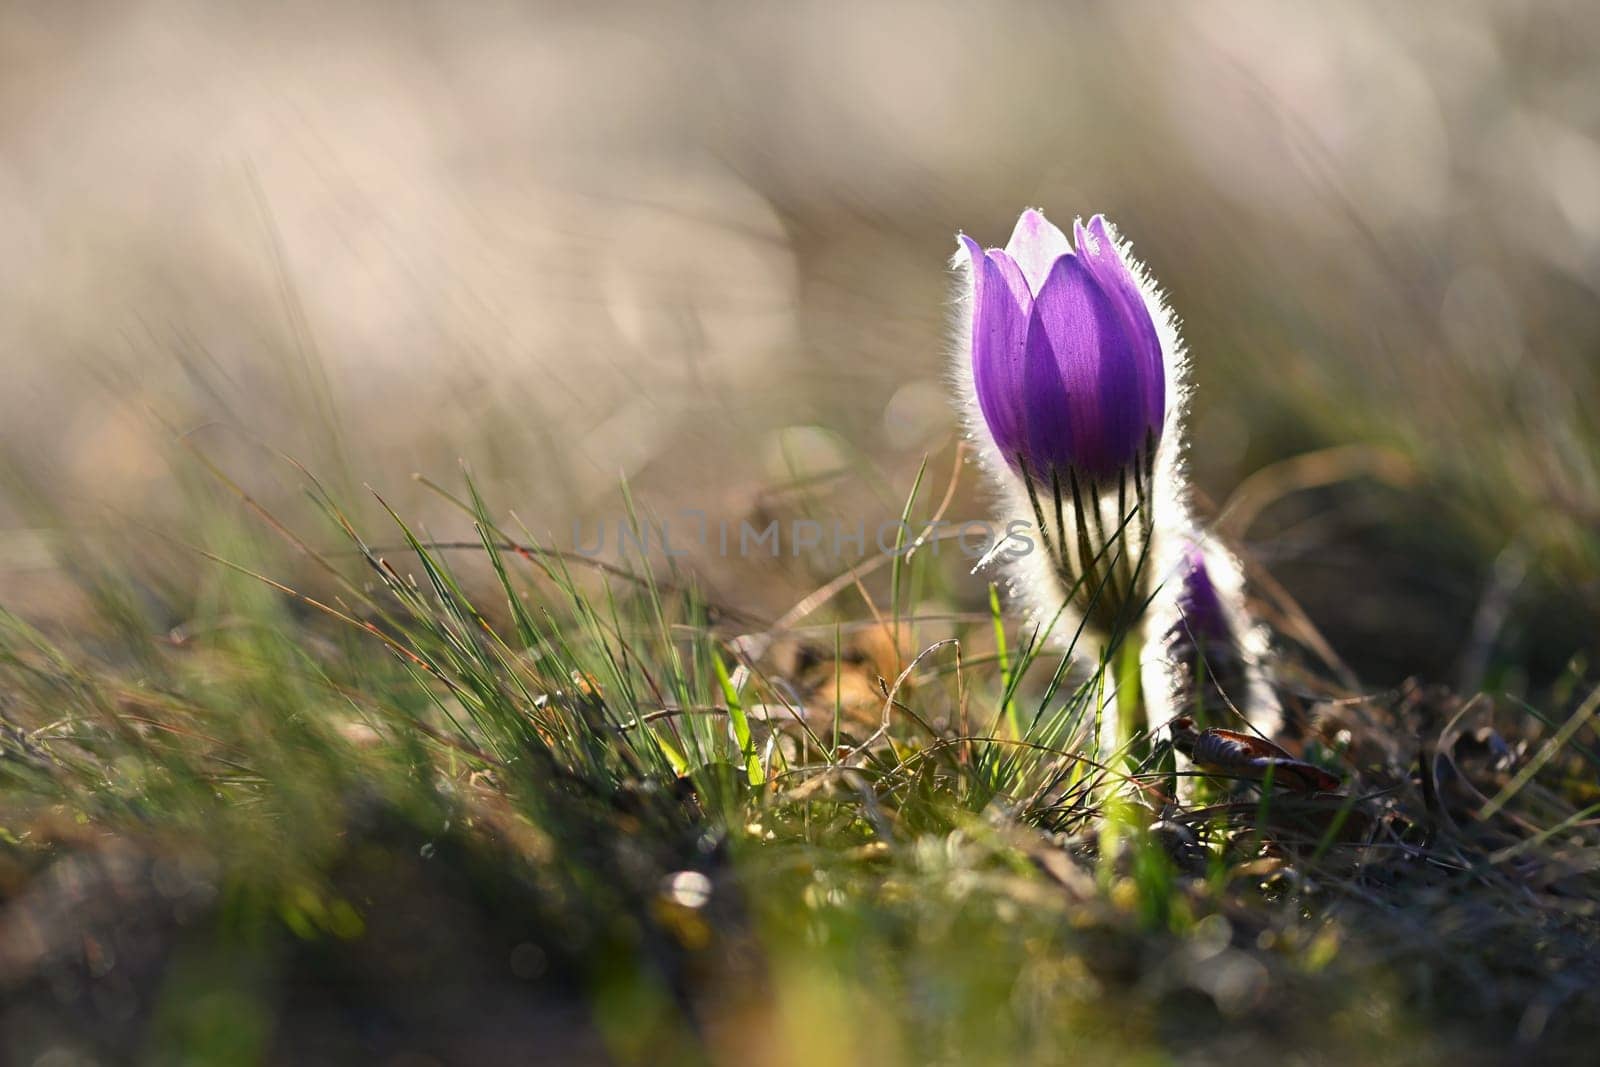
(1099, 252)
(1036, 244)
(1000, 304)
(1084, 406)
(1199, 604)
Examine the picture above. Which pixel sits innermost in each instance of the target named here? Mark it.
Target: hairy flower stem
(1132, 723)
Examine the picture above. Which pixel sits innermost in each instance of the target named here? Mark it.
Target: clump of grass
(487, 799)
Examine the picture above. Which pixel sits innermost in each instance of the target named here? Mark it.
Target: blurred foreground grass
(588, 815)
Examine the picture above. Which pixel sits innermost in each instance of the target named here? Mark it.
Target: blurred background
(704, 246)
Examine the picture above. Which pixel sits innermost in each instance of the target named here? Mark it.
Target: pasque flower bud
(1071, 378)
(1066, 360)
(1069, 374)
(1208, 659)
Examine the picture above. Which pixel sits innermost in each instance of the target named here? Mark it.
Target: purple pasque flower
(1212, 667)
(1066, 360)
(1200, 610)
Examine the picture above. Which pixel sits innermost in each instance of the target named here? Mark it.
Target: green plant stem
(1132, 724)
